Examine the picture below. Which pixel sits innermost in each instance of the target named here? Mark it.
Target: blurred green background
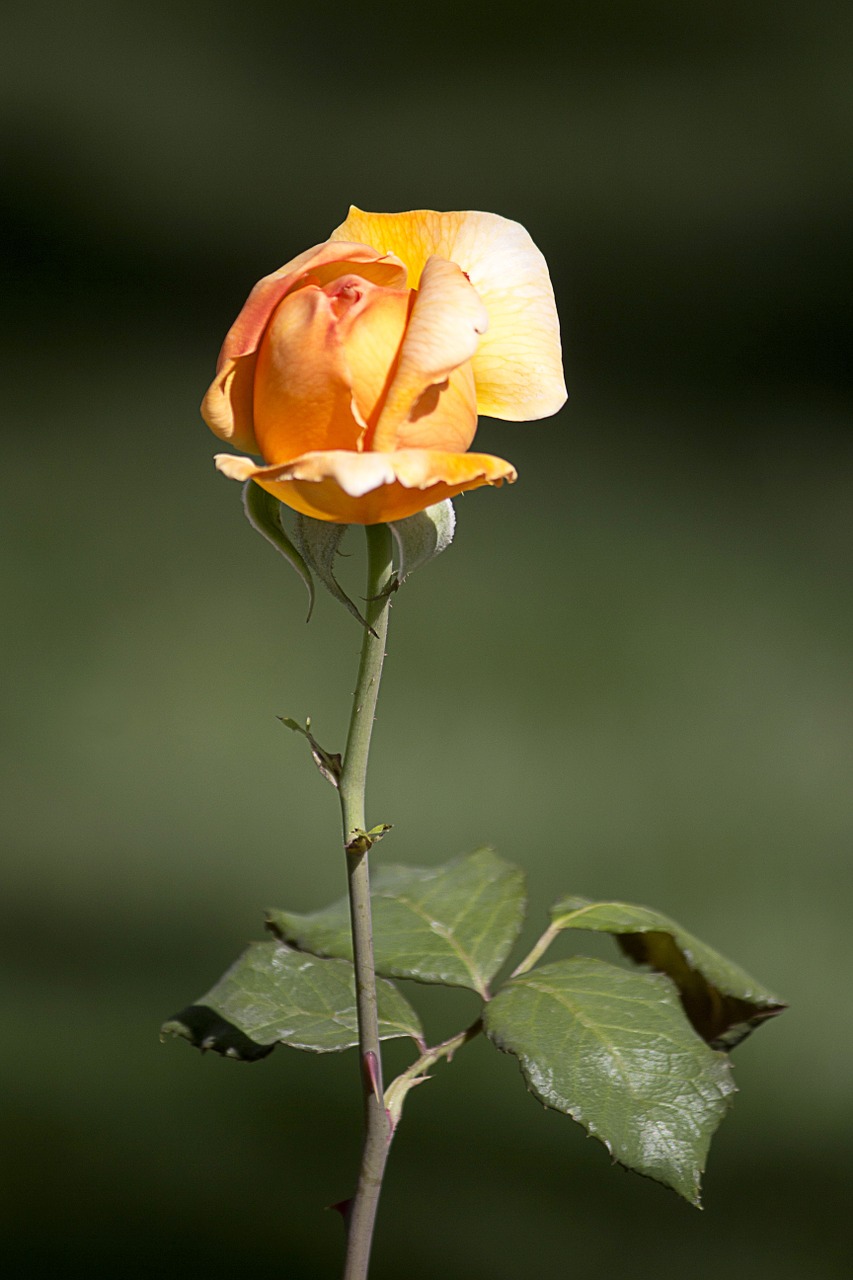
(630, 674)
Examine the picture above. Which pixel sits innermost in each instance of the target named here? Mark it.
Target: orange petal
(445, 415)
(227, 406)
(518, 366)
(245, 333)
(443, 333)
(370, 488)
(371, 334)
(302, 386)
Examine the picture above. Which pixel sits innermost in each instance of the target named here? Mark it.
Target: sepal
(420, 538)
(319, 542)
(263, 512)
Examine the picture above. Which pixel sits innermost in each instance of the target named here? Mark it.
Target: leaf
(722, 1001)
(273, 995)
(361, 842)
(453, 924)
(612, 1049)
(263, 512)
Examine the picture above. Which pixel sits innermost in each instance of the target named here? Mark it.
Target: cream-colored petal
(365, 488)
(235, 467)
(518, 367)
(444, 331)
(356, 473)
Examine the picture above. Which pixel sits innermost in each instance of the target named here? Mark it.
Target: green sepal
(612, 1048)
(274, 995)
(722, 1001)
(319, 541)
(420, 538)
(263, 512)
(453, 924)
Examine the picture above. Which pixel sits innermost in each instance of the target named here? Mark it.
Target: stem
(395, 1094)
(377, 1128)
(539, 948)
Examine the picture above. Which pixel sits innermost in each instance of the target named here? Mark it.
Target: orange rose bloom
(357, 370)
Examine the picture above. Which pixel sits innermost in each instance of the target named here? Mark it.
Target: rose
(357, 370)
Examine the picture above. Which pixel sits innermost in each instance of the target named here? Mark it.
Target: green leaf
(263, 512)
(453, 924)
(721, 1000)
(273, 995)
(612, 1049)
(361, 842)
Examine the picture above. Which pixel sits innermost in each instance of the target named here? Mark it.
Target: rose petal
(518, 366)
(303, 389)
(246, 331)
(370, 488)
(371, 334)
(444, 331)
(227, 406)
(445, 415)
(412, 237)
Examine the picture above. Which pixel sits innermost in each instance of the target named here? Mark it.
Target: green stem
(377, 1127)
(395, 1094)
(539, 948)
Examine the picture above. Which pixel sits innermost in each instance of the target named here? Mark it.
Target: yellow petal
(412, 237)
(370, 488)
(518, 367)
(444, 331)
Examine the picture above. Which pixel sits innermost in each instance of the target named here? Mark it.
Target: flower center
(344, 294)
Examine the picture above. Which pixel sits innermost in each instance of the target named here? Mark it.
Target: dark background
(631, 673)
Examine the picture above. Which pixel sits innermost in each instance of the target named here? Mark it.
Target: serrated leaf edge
(575, 1112)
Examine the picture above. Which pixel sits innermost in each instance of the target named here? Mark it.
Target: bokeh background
(631, 673)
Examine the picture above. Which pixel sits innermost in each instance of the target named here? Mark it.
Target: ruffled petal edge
(370, 488)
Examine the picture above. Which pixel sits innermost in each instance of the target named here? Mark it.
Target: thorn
(371, 1070)
(344, 1208)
